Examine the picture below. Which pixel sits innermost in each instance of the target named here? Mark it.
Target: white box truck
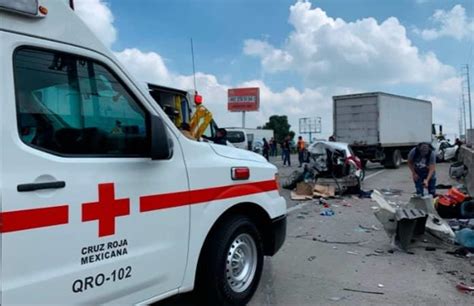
(381, 127)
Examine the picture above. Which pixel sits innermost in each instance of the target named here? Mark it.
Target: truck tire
(232, 263)
(393, 159)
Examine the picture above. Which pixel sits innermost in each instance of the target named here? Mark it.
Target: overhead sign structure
(243, 99)
(310, 126)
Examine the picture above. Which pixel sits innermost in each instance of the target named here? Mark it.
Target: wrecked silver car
(336, 163)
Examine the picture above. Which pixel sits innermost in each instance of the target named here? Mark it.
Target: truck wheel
(232, 263)
(393, 159)
(397, 159)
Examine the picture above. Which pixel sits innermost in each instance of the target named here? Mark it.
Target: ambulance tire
(215, 284)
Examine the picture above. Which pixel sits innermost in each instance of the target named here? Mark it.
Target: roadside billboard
(243, 99)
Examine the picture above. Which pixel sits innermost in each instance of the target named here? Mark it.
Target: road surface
(309, 272)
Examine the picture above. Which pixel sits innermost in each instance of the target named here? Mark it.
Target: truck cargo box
(381, 119)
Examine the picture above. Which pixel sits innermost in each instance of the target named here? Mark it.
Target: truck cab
(103, 199)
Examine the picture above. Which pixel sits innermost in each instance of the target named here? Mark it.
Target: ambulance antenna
(194, 68)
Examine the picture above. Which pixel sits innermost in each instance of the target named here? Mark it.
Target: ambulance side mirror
(161, 144)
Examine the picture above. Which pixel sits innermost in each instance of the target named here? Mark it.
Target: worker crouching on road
(422, 163)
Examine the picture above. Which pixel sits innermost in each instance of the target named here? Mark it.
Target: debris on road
(363, 291)
(465, 237)
(418, 208)
(336, 242)
(463, 287)
(389, 192)
(324, 191)
(327, 212)
(336, 298)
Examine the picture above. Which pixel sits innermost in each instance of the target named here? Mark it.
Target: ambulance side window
(71, 105)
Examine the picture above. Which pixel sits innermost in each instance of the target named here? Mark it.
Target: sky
(300, 53)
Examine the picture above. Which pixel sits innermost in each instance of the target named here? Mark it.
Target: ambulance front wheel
(230, 270)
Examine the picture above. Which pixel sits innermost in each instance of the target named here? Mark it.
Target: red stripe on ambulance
(20, 220)
(107, 208)
(169, 200)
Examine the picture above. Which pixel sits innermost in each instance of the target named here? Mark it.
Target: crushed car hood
(235, 153)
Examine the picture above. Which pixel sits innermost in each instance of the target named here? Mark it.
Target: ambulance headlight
(29, 7)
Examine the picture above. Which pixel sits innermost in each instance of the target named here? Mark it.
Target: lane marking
(374, 174)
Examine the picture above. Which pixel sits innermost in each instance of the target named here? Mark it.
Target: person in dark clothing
(458, 143)
(422, 164)
(286, 152)
(266, 149)
(273, 147)
(221, 137)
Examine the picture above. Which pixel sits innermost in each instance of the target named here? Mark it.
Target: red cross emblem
(106, 209)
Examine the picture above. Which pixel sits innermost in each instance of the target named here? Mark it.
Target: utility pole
(462, 118)
(466, 91)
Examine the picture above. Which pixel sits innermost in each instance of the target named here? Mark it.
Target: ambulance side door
(87, 215)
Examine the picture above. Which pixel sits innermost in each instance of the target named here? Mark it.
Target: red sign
(243, 99)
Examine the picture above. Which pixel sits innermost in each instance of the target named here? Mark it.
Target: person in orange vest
(301, 147)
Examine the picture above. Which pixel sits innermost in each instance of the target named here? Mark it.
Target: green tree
(280, 127)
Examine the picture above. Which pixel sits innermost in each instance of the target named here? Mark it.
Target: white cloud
(273, 59)
(332, 55)
(149, 67)
(98, 16)
(326, 50)
(454, 23)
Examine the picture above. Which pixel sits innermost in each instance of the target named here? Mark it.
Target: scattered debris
(467, 209)
(390, 192)
(369, 229)
(410, 222)
(327, 212)
(336, 242)
(439, 228)
(297, 197)
(365, 194)
(457, 170)
(304, 189)
(324, 191)
(352, 253)
(463, 287)
(465, 237)
(379, 251)
(311, 258)
(336, 298)
(443, 186)
(363, 291)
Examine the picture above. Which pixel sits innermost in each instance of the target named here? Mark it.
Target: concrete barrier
(466, 155)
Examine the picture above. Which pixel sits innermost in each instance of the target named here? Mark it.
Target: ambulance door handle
(39, 186)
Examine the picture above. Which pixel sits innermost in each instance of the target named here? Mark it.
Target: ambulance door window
(69, 105)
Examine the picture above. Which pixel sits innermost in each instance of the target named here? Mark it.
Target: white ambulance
(102, 199)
